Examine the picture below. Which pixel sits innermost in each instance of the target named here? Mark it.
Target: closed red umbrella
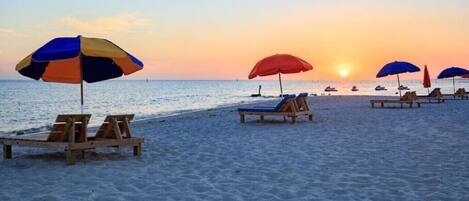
(426, 79)
(279, 64)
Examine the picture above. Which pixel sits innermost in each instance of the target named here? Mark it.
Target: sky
(223, 39)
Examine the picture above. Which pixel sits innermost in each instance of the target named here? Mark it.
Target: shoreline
(44, 129)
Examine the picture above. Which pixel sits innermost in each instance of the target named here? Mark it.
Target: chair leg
(242, 118)
(138, 150)
(69, 157)
(7, 151)
(262, 118)
(82, 152)
(293, 119)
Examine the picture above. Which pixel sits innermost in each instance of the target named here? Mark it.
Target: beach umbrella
(77, 59)
(279, 64)
(452, 72)
(426, 79)
(396, 68)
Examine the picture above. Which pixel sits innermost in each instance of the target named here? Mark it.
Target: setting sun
(344, 72)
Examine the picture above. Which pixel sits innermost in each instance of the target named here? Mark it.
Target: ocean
(31, 106)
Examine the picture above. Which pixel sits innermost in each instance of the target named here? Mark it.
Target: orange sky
(224, 40)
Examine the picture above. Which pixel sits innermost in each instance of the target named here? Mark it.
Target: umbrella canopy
(396, 68)
(78, 59)
(452, 72)
(426, 78)
(279, 64)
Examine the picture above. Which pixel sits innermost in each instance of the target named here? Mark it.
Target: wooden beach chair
(409, 98)
(69, 132)
(435, 95)
(286, 108)
(459, 94)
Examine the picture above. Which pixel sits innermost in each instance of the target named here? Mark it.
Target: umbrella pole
(280, 81)
(399, 87)
(454, 86)
(81, 83)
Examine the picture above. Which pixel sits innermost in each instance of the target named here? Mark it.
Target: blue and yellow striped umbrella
(78, 59)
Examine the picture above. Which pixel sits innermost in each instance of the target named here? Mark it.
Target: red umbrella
(278, 64)
(426, 79)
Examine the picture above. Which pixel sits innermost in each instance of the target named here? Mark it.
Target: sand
(349, 152)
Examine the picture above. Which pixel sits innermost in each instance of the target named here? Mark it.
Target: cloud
(103, 25)
(7, 32)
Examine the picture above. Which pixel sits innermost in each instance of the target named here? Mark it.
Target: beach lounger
(69, 132)
(409, 98)
(460, 93)
(286, 108)
(435, 95)
(301, 101)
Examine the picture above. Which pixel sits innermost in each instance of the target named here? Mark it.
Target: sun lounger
(286, 108)
(435, 95)
(69, 132)
(409, 98)
(301, 101)
(460, 94)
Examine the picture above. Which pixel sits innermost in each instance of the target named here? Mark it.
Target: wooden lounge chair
(69, 132)
(435, 95)
(286, 108)
(459, 94)
(409, 98)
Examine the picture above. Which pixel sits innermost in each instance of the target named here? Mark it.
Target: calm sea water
(31, 106)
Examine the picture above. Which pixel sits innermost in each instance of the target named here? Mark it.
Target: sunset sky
(221, 39)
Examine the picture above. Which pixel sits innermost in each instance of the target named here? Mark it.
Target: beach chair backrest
(409, 96)
(284, 104)
(302, 102)
(436, 93)
(70, 128)
(461, 92)
(115, 127)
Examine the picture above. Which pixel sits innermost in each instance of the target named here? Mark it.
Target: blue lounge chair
(287, 107)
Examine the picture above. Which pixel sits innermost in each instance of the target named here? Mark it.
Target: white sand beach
(349, 152)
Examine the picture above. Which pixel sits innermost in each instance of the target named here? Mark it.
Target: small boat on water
(354, 88)
(403, 88)
(330, 89)
(380, 88)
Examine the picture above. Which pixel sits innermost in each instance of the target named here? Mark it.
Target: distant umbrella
(77, 59)
(279, 64)
(396, 68)
(453, 72)
(426, 79)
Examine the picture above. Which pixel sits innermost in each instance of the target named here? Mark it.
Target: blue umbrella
(453, 72)
(395, 68)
